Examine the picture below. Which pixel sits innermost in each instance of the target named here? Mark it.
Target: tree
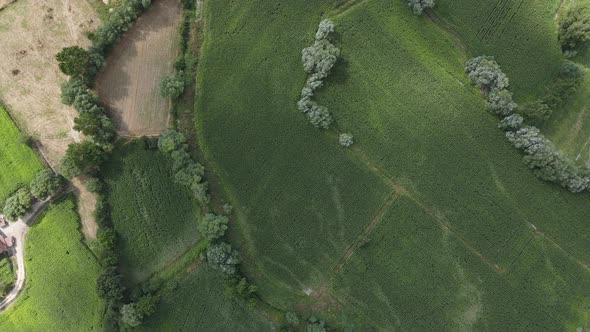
(292, 318)
(130, 316)
(418, 6)
(73, 61)
(320, 57)
(79, 158)
(172, 86)
(18, 204)
(325, 28)
(70, 89)
(345, 139)
(512, 122)
(574, 26)
(500, 102)
(95, 124)
(223, 257)
(213, 226)
(94, 185)
(484, 72)
(45, 183)
(109, 285)
(170, 141)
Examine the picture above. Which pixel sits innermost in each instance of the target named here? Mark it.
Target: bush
(223, 257)
(292, 318)
(18, 204)
(418, 6)
(345, 140)
(213, 226)
(536, 110)
(574, 26)
(73, 61)
(45, 183)
(172, 86)
(94, 185)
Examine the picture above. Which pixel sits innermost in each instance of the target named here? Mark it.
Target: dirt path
(18, 230)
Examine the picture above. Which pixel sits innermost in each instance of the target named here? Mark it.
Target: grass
(18, 161)
(6, 275)
(60, 289)
(401, 91)
(522, 36)
(154, 217)
(295, 192)
(198, 302)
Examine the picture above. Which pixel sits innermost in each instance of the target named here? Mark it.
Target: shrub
(345, 140)
(292, 318)
(418, 6)
(536, 110)
(18, 204)
(223, 257)
(484, 72)
(500, 102)
(213, 226)
(94, 185)
(574, 26)
(172, 86)
(107, 237)
(45, 183)
(73, 61)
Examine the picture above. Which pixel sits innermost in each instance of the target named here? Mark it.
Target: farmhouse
(5, 244)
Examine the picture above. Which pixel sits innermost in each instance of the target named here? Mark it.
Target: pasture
(522, 36)
(129, 84)
(6, 276)
(462, 193)
(60, 290)
(18, 161)
(198, 303)
(155, 218)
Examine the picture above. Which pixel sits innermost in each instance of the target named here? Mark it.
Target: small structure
(5, 245)
(3, 221)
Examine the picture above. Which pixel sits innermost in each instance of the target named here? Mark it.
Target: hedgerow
(541, 155)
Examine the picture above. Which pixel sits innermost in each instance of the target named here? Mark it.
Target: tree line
(540, 154)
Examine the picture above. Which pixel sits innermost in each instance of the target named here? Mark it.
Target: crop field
(434, 145)
(199, 303)
(296, 193)
(520, 34)
(18, 162)
(130, 83)
(156, 219)
(60, 290)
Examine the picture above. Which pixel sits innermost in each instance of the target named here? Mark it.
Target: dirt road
(18, 230)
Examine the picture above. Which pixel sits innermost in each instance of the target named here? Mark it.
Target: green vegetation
(198, 301)
(470, 218)
(60, 290)
(45, 184)
(18, 204)
(18, 162)
(171, 86)
(522, 38)
(6, 275)
(574, 26)
(155, 218)
(73, 61)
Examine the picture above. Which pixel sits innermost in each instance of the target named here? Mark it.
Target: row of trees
(541, 155)
(318, 60)
(186, 172)
(45, 184)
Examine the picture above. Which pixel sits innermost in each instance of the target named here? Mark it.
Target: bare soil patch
(32, 32)
(129, 83)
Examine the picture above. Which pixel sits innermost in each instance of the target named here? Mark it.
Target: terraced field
(470, 238)
(154, 217)
(60, 290)
(18, 162)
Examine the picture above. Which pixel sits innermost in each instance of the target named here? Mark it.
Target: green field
(515, 244)
(199, 303)
(60, 289)
(18, 162)
(154, 217)
(521, 35)
(6, 275)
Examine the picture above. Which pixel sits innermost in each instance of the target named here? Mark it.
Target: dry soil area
(31, 33)
(129, 84)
